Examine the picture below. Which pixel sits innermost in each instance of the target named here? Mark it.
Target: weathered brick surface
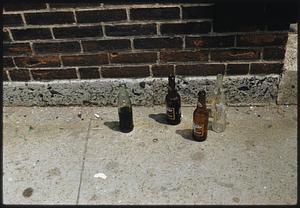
(274, 53)
(89, 73)
(101, 16)
(183, 56)
(157, 43)
(19, 74)
(31, 34)
(200, 69)
(154, 13)
(77, 32)
(50, 74)
(105, 45)
(85, 60)
(266, 68)
(210, 41)
(37, 61)
(49, 18)
(12, 20)
(237, 69)
(125, 71)
(262, 39)
(131, 30)
(162, 70)
(186, 28)
(195, 12)
(56, 47)
(8, 62)
(146, 57)
(234, 54)
(16, 49)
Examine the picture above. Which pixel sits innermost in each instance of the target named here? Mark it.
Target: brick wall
(49, 41)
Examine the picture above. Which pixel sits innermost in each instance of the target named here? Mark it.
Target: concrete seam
(83, 161)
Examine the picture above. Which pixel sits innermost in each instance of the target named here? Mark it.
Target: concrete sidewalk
(51, 156)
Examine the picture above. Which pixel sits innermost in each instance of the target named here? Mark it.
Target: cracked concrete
(51, 155)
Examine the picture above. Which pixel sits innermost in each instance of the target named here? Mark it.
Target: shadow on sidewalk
(113, 125)
(159, 118)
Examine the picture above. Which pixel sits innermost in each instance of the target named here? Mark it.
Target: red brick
(209, 41)
(38, 61)
(146, 57)
(15, 49)
(19, 75)
(162, 70)
(183, 56)
(262, 39)
(56, 47)
(158, 43)
(51, 74)
(106, 45)
(266, 68)
(234, 54)
(125, 71)
(200, 69)
(85, 60)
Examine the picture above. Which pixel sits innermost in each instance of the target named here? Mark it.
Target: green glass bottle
(125, 111)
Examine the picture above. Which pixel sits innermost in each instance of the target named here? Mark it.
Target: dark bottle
(173, 103)
(200, 118)
(125, 111)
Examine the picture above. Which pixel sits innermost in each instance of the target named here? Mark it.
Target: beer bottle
(173, 103)
(125, 111)
(219, 106)
(200, 118)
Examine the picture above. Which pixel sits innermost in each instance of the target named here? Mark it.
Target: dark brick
(185, 28)
(51, 74)
(128, 30)
(85, 60)
(195, 12)
(238, 27)
(125, 71)
(237, 69)
(154, 13)
(266, 68)
(147, 57)
(37, 61)
(200, 69)
(105, 45)
(78, 32)
(275, 26)
(162, 70)
(101, 16)
(31, 34)
(56, 47)
(276, 53)
(209, 41)
(21, 6)
(15, 49)
(157, 43)
(49, 18)
(19, 75)
(234, 54)
(4, 75)
(12, 20)
(8, 62)
(262, 39)
(89, 73)
(183, 56)
(73, 5)
(6, 37)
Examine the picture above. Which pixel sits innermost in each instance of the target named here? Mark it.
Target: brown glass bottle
(173, 103)
(200, 118)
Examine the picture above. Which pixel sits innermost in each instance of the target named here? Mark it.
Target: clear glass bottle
(125, 111)
(219, 106)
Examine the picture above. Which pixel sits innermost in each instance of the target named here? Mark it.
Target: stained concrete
(239, 90)
(54, 153)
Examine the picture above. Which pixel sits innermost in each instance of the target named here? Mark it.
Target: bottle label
(199, 104)
(171, 113)
(198, 129)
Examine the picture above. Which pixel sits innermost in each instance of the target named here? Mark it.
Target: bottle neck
(201, 104)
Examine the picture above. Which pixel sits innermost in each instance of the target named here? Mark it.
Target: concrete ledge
(239, 90)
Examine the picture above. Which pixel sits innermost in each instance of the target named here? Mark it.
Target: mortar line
(83, 161)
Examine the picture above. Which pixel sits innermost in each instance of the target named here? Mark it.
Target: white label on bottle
(198, 129)
(171, 113)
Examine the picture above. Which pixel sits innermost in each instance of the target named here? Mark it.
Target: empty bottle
(125, 111)
(200, 118)
(219, 106)
(173, 103)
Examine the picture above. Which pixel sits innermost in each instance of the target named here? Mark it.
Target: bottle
(200, 118)
(219, 107)
(173, 103)
(125, 111)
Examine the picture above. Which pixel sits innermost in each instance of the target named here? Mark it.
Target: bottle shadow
(186, 134)
(113, 125)
(159, 118)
